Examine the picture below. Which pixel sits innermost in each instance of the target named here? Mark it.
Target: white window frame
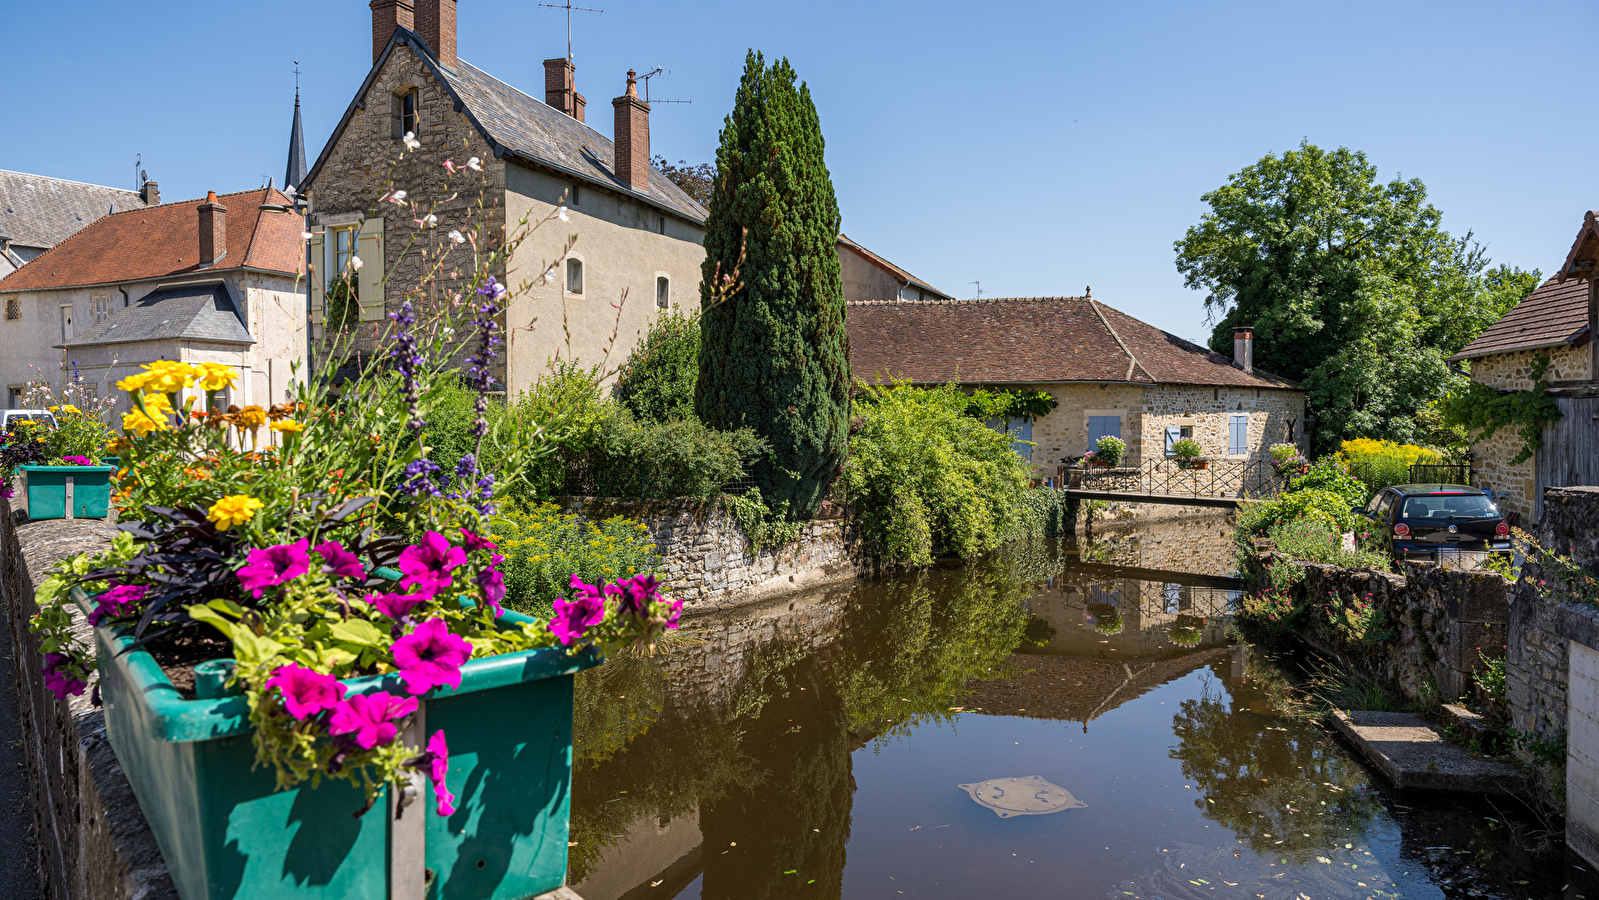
(663, 280)
(574, 266)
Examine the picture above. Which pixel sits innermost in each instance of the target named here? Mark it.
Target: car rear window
(1449, 506)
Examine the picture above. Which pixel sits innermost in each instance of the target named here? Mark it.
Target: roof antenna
(569, 7)
(979, 288)
(137, 158)
(646, 78)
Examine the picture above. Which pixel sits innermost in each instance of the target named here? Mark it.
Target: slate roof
(1030, 340)
(162, 241)
(1552, 316)
(36, 211)
(201, 312)
(518, 125)
(890, 268)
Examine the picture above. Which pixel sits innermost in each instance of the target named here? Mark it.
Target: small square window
(574, 276)
(663, 292)
(13, 308)
(573, 201)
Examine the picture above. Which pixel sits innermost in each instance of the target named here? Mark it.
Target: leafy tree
(774, 355)
(656, 384)
(695, 180)
(1352, 286)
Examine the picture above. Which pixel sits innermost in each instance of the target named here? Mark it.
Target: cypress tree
(774, 355)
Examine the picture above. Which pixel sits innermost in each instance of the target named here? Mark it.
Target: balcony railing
(1242, 479)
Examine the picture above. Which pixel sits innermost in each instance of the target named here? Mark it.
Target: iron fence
(1432, 473)
(1243, 479)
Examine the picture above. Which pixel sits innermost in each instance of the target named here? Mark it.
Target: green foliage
(1491, 677)
(1109, 449)
(1317, 540)
(1331, 474)
(775, 357)
(343, 308)
(930, 480)
(544, 547)
(1480, 408)
(1186, 450)
(1380, 464)
(656, 383)
(764, 527)
(1010, 404)
(1258, 519)
(1352, 286)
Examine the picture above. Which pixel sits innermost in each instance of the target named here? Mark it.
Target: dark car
(1421, 519)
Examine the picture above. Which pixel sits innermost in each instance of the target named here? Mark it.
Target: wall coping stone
(1578, 622)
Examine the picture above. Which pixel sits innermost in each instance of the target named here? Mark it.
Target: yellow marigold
(289, 425)
(134, 382)
(71, 409)
(251, 416)
(170, 377)
(141, 424)
(158, 405)
(234, 510)
(216, 376)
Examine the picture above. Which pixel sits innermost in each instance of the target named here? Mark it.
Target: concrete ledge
(1413, 755)
(1578, 622)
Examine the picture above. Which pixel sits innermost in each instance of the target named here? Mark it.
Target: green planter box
(227, 835)
(48, 487)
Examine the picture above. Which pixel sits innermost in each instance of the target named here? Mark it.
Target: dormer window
(406, 103)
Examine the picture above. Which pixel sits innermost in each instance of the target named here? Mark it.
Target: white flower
(306, 235)
(398, 196)
(562, 213)
(457, 237)
(427, 221)
(411, 143)
(473, 163)
(548, 274)
(355, 262)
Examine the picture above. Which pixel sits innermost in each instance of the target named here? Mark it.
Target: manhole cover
(1030, 796)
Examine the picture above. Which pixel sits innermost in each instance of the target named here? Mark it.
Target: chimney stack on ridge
(560, 87)
(388, 15)
(435, 22)
(1244, 348)
(632, 137)
(150, 192)
(213, 230)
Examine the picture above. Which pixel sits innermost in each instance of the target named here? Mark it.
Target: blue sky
(1035, 147)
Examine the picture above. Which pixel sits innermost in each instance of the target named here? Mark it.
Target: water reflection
(815, 747)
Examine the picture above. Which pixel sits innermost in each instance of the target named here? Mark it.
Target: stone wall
(1514, 486)
(93, 841)
(1513, 371)
(705, 554)
(1209, 411)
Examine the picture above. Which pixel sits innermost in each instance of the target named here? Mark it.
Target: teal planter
(47, 489)
(226, 834)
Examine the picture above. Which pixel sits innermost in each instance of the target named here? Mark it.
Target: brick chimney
(632, 137)
(560, 87)
(435, 22)
(388, 15)
(1244, 348)
(150, 192)
(213, 230)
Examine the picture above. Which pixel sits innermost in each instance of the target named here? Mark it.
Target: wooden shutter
(369, 247)
(317, 276)
(1174, 433)
(1238, 435)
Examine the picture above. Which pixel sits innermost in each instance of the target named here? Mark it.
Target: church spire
(295, 173)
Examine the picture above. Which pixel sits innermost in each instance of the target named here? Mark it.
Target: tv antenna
(138, 172)
(569, 9)
(979, 288)
(651, 74)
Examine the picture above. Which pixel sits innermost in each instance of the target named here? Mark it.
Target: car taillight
(1401, 530)
(1502, 529)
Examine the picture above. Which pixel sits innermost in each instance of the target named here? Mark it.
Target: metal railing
(1243, 479)
(1435, 473)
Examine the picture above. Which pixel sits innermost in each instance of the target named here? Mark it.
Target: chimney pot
(632, 137)
(435, 22)
(388, 15)
(560, 87)
(213, 230)
(1244, 348)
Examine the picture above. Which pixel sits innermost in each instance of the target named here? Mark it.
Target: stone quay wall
(706, 558)
(93, 842)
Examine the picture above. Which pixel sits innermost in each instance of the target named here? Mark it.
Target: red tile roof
(162, 241)
(1554, 315)
(1031, 340)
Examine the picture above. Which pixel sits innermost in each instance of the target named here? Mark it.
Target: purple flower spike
(371, 717)
(430, 563)
(273, 566)
(430, 656)
(306, 692)
(408, 358)
(340, 562)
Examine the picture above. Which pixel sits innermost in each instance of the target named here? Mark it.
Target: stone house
(867, 276)
(1557, 321)
(633, 232)
(36, 212)
(213, 280)
(1109, 372)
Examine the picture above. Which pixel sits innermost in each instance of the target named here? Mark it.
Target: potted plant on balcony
(1108, 451)
(1287, 461)
(338, 673)
(1187, 453)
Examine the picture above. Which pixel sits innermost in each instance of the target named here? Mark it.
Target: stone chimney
(213, 230)
(632, 137)
(435, 22)
(560, 87)
(151, 193)
(1244, 348)
(388, 15)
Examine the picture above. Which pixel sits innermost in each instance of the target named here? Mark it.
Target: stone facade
(1515, 485)
(705, 555)
(1513, 371)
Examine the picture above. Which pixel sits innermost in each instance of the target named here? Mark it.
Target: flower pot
(67, 492)
(1201, 463)
(1304, 468)
(226, 834)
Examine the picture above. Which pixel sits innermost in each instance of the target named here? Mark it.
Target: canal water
(1064, 719)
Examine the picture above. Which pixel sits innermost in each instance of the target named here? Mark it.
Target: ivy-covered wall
(1515, 485)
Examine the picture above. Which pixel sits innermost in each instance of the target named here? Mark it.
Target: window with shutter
(370, 276)
(1100, 426)
(1174, 433)
(1238, 435)
(319, 276)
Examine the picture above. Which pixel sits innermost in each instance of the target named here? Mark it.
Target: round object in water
(1030, 796)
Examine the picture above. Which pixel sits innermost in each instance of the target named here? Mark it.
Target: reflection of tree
(797, 816)
(1266, 777)
(613, 703)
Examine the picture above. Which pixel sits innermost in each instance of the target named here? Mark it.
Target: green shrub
(544, 547)
(930, 480)
(1381, 464)
(1317, 540)
(1186, 450)
(764, 527)
(656, 383)
(1326, 506)
(1331, 474)
(1109, 450)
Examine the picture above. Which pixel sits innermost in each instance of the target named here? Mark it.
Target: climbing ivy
(1480, 408)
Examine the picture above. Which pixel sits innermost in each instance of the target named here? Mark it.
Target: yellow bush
(1383, 463)
(544, 547)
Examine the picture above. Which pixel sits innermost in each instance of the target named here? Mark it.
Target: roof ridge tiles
(104, 187)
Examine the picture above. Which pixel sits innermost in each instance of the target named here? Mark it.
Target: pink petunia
(118, 601)
(272, 566)
(397, 606)
(474, 541)
(492, 582)
(430, 656)
(430, 563)
(677, 614)
(339, 562)
(438, 767)
(306, 692)
(574, 617)
(371, 717)
(77, 461)
(57, 679)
